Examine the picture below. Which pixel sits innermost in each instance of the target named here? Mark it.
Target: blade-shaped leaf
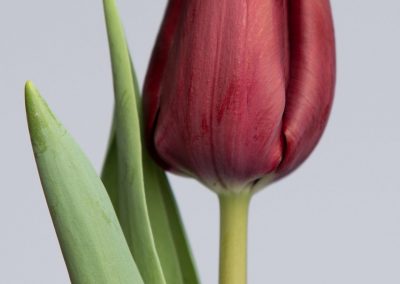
(87, 227)
(109, 174)
(132, 207)
(169, 235)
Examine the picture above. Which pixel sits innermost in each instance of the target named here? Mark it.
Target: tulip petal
(156, 70)
(312, 79)
(224, 92)
(90, 236)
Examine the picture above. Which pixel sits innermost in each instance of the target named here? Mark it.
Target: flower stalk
(233, 239)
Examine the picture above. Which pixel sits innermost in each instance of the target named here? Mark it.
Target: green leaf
(168, 231)
(91, 239)
(132, 207)
(109, 174)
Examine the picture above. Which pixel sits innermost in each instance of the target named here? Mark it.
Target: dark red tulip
(239, 91)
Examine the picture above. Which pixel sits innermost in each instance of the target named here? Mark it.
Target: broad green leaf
(169, 235)
(132, 207)
(91, 239)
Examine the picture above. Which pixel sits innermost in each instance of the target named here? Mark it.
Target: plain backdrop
(335, 220)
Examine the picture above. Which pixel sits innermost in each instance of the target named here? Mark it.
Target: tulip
(238, 93)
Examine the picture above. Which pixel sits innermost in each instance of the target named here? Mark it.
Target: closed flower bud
(238, 92)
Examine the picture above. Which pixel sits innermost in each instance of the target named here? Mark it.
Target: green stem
(233, 239)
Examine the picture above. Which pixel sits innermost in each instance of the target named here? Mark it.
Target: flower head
(239, 92)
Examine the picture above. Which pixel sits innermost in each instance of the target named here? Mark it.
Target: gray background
(335, 220)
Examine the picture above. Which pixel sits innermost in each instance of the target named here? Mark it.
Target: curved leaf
(132, 207)
(109, 174)
(88, 230)
(168, 231)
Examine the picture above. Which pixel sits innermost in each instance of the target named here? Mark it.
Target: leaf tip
(32, 99)
(41, 122)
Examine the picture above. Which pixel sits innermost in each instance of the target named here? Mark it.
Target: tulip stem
(233, 238)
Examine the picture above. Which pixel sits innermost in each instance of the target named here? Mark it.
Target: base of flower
(233, 237)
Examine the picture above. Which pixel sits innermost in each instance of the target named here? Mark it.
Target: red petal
(224, 91)
(312, 79)
(155, 72)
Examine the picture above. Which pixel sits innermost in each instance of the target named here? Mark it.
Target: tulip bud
(239, 92)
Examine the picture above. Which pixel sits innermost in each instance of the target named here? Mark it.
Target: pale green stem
(233, 239)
